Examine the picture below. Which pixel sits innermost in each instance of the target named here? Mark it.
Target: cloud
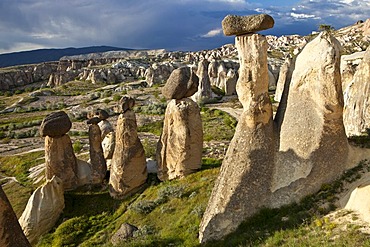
(173, 25)
(213, 33)
(303, 16)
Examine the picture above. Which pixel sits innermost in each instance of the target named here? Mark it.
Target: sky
(188, 25)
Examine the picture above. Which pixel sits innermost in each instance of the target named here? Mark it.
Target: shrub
(77, 146)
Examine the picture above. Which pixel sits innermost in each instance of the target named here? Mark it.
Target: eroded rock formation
(43, 209)
(11, 233)
(243, 185)
(357, 104)
(60, 159)
(97, 160)
(179, 150)
(128, 171)
(312, 125)
(204, 92)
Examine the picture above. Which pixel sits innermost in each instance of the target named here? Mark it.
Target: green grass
(153, 127)
(217, 125)
(18, 166)
(169, 214)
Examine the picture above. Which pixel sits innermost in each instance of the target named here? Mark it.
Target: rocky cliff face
(13, 77)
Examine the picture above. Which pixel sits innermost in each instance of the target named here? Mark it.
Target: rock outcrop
(204, 92)
(60, 159)
(179, 149)
(128, 172)
(97, 160)
(26, 75)
(312, 125)
(107, 135)
(357, 102)
(243, 186)
(11, 234)
(43, 209)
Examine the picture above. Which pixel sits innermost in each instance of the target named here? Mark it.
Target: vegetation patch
(217, 125)
(18, 166)
(153, 127)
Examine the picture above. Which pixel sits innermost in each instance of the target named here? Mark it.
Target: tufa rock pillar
(179, 149)
(243, 186)
(59, 157)
(128, 171)
(11, 233)
(97, 160)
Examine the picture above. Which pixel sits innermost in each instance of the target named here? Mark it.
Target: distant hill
(46, 55)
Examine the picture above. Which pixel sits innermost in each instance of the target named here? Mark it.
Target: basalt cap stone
(55, 124)
(126, 103)
(239, 25)
(182, 83)
(94, 120)
(102, 114)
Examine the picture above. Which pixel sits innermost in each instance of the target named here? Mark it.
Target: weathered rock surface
(312, 125)
(285, 76)
(97, 160)
(124, 232)
(60, 161)
(204, 92)
(356, 115)
(108, 138)
(182, 83)
(55, 124)
(11, 234)
(179, 149)
(230, 83)
(26, 75)
(43, 209)
(239, 25)
(348, 68)
(243, 185)
(128, 171)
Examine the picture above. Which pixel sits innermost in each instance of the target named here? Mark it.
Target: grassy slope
(169, 213)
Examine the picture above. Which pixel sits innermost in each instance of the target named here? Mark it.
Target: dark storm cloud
(174, 25)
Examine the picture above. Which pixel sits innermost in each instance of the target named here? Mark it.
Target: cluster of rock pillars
(269, 162)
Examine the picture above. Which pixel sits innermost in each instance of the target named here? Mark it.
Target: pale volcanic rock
(230, 83)
(313, 147)
(204, 92)
(43, 209)
(61, 161)
(128, 171)
(11, 233)
(357, 104)
(55, 124)
(182, 83)
(285, 76)
(179, 149)
(239, 25)
(243, 186)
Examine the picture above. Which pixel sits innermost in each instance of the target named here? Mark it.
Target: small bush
(143, 206)
(77, 146)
